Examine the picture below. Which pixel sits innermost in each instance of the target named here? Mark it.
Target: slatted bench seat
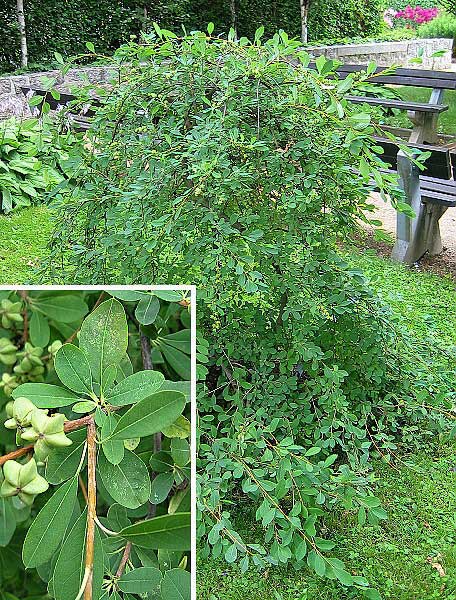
(399, 104)
(424, 116)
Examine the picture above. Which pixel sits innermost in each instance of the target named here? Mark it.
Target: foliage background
(53, 25)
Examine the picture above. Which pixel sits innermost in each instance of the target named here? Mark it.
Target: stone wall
(386, 54)
(13, 102)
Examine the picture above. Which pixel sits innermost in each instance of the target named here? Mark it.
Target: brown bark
(92, 505)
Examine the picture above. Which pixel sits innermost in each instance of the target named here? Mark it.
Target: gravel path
(443, 264)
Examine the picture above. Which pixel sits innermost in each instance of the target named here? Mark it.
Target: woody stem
(92, 505)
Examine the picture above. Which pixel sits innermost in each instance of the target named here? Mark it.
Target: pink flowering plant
(412, 16)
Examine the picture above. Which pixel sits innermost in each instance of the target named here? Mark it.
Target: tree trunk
(233, 15)
(304, 13)
(22, 31)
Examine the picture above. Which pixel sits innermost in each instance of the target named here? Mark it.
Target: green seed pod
(10, 313)
(23, 481)
(9, 408)
(54, 347)
(21, 411)
(7, 352)
(47, 433)
(8, 383)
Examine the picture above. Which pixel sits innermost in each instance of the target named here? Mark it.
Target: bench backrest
(443, 80)
(54, 104)
(438, 165)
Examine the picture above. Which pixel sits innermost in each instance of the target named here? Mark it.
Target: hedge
(65, 26)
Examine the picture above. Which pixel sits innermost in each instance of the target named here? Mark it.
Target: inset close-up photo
(95, 443)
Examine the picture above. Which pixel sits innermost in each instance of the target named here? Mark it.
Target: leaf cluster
(100, 364)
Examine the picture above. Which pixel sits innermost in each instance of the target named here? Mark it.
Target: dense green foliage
(234, 166)
(65, 27)
(33, 161)
(418, 488)
(444, 26)
(71, 355)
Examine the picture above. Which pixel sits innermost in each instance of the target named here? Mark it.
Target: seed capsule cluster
(30, 363)
(34, 425)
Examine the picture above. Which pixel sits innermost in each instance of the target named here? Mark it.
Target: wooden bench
(429, 193)
(424, 116)
(79, 120)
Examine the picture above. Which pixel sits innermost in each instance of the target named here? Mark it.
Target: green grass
(23, 238)
(447, 119)
(420, 500)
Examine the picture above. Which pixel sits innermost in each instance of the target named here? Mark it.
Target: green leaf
(231, 553)
(170, 295)
(147, 310)
(70, 565)
(63, 462)
(73, 369)
(44, 395)
(84, 407)
(180, 451)
(140, 580)
(161, 462)
(180, 362)
(372, 594)
(104, 336)
(169, 532)
(7, 521)
(40, 331)
(150, 415)
(135, 388)
(64, 308)
(181, 428)
(181, 386)
(319, 565)
(90, 46)
(160, 487)
(210, 28)
(49, 526)
(128, 483)
(114, 450)
(176, 585)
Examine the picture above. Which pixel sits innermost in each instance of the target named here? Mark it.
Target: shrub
(234, 166)
(88, 410)
(414, 16)
(444, 26)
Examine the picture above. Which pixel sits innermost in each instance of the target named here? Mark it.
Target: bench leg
(410, 240)
(421, 234)
(425, 124)
(433, 214)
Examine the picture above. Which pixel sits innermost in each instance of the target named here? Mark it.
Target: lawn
(23, 239)
(398, 556)
(447, 119)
